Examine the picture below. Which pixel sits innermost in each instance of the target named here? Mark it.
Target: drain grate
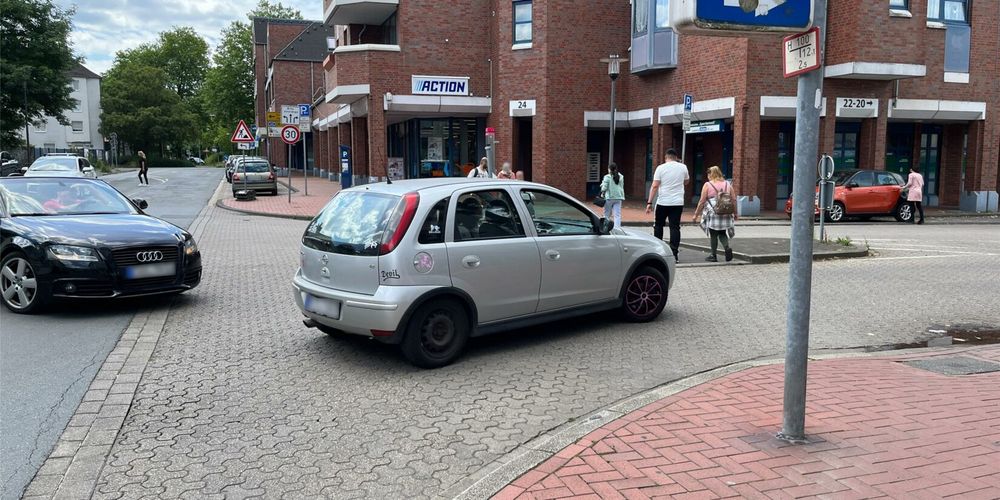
(955, 365)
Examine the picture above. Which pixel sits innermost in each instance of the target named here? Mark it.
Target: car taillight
(399, 223)
(236, 177)
(270, 176)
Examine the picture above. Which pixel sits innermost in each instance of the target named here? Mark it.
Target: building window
(845, 144)
(662, 14)
(389, 31)
(954, 11)
(40, 126)
(75, 84)
(900, 4)
(77, 126)
(640, 16)
(522, 21)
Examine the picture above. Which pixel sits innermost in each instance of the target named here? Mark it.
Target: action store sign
(440, 85)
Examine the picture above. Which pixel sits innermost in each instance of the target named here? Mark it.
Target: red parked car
(864, 194)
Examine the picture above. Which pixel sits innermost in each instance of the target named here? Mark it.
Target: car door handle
(552, 254)
(470, 261)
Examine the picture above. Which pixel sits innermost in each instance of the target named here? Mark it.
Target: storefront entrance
(845, 145)
(899, 148)
(930, 160)
(437, 147)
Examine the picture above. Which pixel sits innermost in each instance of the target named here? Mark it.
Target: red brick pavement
(302, 206)
(880, 429)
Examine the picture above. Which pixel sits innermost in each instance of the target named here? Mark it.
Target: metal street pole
(305, 166)
(27, 138)
(289, 164)
(807, 111)
(614, 69)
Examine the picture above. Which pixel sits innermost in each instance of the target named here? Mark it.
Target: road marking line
(929, 250)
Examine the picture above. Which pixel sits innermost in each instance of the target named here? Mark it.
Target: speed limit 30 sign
(290, 134)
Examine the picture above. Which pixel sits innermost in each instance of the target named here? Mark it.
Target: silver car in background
(61, 165)
(428, 263)
(254, 175)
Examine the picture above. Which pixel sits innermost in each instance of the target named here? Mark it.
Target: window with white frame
(77, 126)
(953, 11)
(75, 83)
(662, 14)
(900, 4)
(522, 21)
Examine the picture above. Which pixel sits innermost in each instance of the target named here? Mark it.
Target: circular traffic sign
(290, 134)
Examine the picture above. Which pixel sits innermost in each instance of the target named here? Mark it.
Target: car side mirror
(604, 226)
(852, 185)
(141, 203)
(24, 169)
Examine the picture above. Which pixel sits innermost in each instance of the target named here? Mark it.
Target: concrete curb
(75, 463)
(782, 257)
(223, 206)
(496, 475)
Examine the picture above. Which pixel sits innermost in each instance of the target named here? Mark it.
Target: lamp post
(614, 69)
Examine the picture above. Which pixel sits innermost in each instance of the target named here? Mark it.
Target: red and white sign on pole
(800, 52)
(242, 134)
(290, 134)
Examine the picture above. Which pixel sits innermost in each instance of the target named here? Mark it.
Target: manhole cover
(955, 365)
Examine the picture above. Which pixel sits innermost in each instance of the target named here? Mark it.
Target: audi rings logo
(153, 256)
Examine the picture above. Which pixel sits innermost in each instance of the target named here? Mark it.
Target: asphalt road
(47, 361)
(239, 400)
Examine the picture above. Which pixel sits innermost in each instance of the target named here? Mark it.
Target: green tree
(144, 112)
(183, 55)
(229, 84)
(35, 61)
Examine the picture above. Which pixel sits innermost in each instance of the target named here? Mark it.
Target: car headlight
(190, 247)
(71, 253)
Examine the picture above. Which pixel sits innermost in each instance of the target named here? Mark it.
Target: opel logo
(153, 256)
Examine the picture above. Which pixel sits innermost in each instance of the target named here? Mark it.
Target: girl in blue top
(613, 190)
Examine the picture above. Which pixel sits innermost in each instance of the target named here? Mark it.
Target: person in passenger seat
(468, 216)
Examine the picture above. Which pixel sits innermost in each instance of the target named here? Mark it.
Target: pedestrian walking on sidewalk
(143, 170)
(667, 192)
(505, 172)
(915, 194)
(482, 170)
(717, 212)
(613, 192)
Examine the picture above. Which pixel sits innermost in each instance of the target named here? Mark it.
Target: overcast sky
(103, 27)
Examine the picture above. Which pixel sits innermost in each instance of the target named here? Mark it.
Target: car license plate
(150, 271)
(323, 307)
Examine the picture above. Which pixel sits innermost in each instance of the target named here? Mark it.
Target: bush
(103, 166)
(213, 159)
(168, 162)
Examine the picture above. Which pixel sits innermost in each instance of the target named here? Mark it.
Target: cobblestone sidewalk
(878, 427)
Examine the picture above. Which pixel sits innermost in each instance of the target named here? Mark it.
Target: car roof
(62, 160)
(444, 184)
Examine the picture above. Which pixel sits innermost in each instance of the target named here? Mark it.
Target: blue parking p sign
(303, 110)
(741, 16)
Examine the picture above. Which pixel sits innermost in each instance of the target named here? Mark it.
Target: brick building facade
(907, 82)
(288, 70)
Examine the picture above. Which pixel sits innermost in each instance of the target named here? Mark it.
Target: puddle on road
(944, 335)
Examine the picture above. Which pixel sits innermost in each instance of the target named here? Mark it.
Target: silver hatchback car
(428, 263)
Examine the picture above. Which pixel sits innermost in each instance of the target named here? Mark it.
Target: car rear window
(352, 223)
(255, 168)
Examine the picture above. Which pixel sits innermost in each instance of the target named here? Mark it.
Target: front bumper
(360, 314)
(105, 280)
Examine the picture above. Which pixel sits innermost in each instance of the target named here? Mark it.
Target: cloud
(103, 27)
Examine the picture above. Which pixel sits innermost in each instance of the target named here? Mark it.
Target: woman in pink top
(915, 195)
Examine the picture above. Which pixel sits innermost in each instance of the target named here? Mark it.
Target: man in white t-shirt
(667, 193)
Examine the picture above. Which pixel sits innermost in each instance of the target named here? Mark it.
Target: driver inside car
(64, 200)
(468, 216)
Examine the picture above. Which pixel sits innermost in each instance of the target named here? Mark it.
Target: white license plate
(323, 307)
(150, 271)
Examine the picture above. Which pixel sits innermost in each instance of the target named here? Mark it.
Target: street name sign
(290, 134)
(800, 52)
(242, 133)
(741, 16)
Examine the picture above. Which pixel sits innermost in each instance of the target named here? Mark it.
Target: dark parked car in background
(8, 164)
(81, 238)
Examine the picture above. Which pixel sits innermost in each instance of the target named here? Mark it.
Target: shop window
(522, 21)
(654, 43)
(952, 11)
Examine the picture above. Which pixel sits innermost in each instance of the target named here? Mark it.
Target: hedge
(168, 162)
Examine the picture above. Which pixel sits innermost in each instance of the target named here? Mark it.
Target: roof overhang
(346, 94)
(623, 119)
(858, 70)
(371, 12)
(437, 105)
(712, 109)
(931, 109)
(777, 107)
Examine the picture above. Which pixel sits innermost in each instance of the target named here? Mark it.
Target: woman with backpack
(717, 211)
(613, 191)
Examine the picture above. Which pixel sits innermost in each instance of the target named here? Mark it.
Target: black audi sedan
(81, 238)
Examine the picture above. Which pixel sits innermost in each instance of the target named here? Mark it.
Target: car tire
(12, 282)
(836, 214)
(436, 334)
(903, 212)
(645, 295)
(274, 192)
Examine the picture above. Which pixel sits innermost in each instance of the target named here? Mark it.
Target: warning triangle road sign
(242, 133)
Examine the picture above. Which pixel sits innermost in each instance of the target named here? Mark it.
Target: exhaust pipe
(309, 322)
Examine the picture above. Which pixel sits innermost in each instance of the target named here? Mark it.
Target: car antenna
(388, 179)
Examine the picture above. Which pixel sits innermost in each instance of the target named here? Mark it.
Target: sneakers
(729, 254)
(712, 258)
